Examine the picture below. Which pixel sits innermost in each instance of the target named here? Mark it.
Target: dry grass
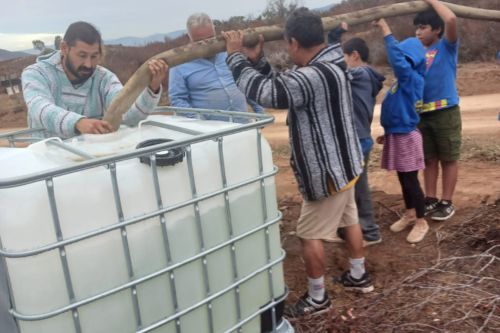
(458, 291)
(480, 150)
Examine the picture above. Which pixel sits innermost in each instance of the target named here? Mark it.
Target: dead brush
(473, 149)
(459, 293)
(334, 321)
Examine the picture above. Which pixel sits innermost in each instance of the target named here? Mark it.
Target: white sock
(316, 288)
(357, 267)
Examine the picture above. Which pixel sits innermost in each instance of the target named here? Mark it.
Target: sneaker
(306, 305)
(418, 232)
(444, 211)
(371, 242)
(401, 224)
(363, 285)
(431, 204)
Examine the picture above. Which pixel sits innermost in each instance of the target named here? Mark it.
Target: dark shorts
(442, 134)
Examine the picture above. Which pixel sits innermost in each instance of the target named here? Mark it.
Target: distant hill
(124, 41)
(326, 8)
(141, 41)
(7, 55)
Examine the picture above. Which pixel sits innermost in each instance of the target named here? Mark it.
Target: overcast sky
(22, 21)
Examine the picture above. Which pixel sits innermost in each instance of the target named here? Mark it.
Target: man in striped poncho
(326, 156)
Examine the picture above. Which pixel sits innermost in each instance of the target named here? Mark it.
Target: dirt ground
(394, 261)
(479, 168)
(447, 283)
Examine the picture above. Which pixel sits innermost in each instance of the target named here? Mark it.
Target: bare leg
(354, 241)
(431, 173)
(314, 257)
(450, 176)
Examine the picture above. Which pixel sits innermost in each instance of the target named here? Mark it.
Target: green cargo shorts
(442, 134)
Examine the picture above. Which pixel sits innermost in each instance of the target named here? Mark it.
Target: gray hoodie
(56, 105)
(366, 84)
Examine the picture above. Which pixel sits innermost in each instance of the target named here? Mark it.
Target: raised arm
(334, 39)
(335, 35)
(449, 18)
(396, 57)
(384, 27)
(147, 101)
(279, 91)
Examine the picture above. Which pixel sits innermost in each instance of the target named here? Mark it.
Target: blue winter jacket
(405, 97)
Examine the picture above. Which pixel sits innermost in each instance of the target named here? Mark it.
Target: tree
(38, 45)
(217, 23)
(57, 42)
(279, 9)
(236, 22)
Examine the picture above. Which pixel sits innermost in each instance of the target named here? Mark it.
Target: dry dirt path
(478, 181)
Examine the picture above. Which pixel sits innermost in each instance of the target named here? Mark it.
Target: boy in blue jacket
(403, 147)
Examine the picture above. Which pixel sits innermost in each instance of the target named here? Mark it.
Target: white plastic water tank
(86, 248)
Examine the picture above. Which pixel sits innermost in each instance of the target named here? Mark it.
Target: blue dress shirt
(207, 84)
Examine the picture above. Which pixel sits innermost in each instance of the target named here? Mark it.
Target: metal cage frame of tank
(255, 121)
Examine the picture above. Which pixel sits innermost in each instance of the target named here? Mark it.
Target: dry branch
(434, 296)
(210, 47)
(458, 293)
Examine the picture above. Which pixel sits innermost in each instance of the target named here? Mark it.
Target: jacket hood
(376, 80)
(415, 51)
(52, 58)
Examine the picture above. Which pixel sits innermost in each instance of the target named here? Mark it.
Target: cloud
(114, 18)
(17, 42)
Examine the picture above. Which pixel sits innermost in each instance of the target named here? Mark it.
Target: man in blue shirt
(206, 83)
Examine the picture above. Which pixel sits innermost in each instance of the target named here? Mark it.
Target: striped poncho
(56, 105)
(323, 139)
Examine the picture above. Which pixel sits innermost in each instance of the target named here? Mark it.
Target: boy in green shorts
(440, 122)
